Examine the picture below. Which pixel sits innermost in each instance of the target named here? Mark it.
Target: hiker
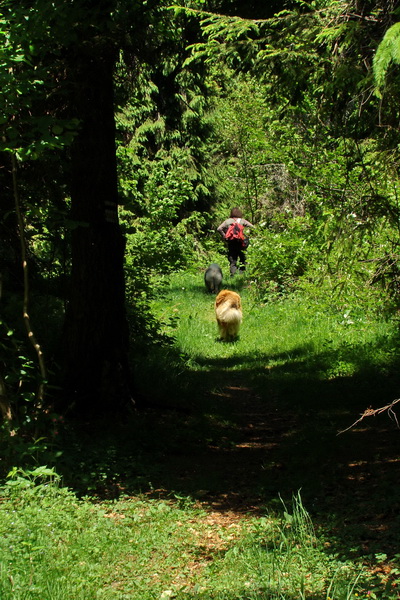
(231, 230)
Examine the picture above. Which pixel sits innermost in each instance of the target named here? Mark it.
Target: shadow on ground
(245, 441)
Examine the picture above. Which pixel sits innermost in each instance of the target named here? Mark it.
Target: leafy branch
(388, 51)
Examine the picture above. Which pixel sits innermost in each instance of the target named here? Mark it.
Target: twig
(31, 336)
(370, 412)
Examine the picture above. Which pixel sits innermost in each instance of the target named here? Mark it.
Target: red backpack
(235, 231)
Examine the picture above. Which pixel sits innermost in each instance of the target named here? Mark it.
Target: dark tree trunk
(96, 330)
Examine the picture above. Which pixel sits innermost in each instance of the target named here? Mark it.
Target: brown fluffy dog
(228, 310)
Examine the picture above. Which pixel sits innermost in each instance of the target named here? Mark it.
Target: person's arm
(222, 229)
(248, 224)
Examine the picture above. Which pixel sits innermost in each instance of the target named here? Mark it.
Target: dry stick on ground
(27, 321)
(370, 412)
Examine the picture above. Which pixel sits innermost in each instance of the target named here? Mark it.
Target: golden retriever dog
(228, 310)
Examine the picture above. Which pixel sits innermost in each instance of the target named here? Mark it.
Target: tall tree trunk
(96, 330)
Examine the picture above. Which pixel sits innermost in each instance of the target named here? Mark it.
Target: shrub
(280, 254)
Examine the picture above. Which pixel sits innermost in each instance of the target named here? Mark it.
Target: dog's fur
(213, 278)
(228, 310)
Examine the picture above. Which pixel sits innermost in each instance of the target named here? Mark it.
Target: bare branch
(31, 336)
(370, 412)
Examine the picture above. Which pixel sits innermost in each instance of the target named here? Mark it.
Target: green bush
(280, 254)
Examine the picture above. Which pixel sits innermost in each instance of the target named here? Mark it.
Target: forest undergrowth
(230, 479)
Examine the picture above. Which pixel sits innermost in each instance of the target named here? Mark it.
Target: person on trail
(231, 230)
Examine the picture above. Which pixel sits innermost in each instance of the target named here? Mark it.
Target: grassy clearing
(280, 328)
(295, 337)
(249, 422)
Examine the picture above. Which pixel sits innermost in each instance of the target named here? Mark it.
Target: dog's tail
(229, 313)
(229, 319)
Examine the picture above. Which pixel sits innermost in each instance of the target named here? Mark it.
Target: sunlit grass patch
(54, 546)
(290, 331)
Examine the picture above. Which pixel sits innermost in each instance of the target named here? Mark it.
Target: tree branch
(370, 412)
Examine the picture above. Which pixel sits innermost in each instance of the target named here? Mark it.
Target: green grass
(293, 338)
(285, 327)
(248, 424)
(54, 546)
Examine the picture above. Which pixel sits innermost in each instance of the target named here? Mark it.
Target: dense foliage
(280, 114)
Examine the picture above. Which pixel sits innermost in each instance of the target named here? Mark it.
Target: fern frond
(387, 52)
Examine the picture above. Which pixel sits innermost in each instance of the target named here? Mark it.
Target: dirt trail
(261, 455)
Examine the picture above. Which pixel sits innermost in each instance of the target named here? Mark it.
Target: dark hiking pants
(235, 254)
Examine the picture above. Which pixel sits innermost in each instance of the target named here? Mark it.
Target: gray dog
(213, 278)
